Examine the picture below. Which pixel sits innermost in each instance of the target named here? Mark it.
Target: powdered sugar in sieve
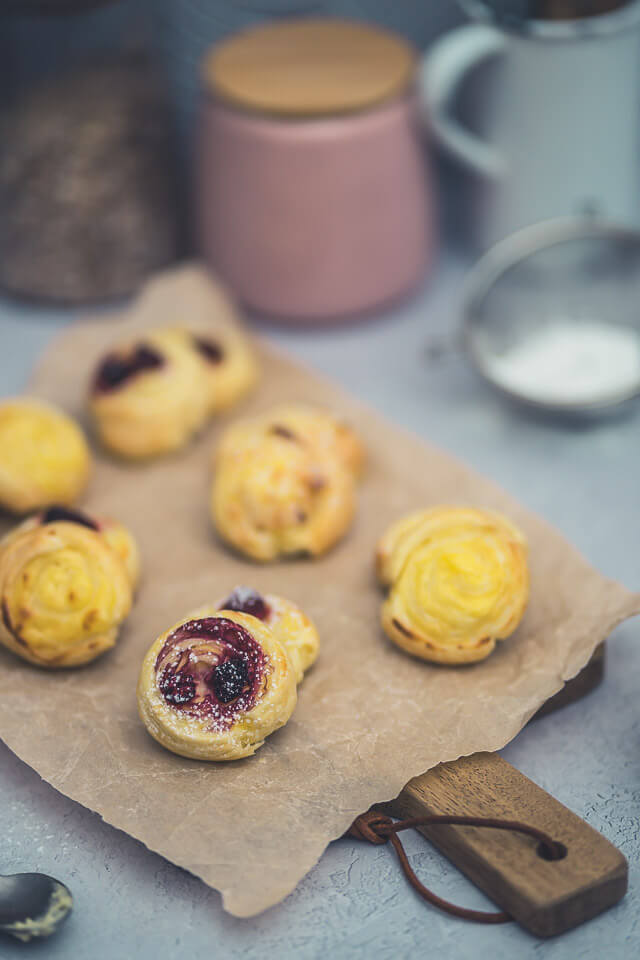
(569, 362)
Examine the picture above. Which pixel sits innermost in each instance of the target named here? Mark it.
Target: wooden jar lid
(309, 67)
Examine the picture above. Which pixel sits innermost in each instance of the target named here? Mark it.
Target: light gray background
(355, 903)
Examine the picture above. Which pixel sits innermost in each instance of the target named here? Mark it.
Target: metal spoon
(32, 905)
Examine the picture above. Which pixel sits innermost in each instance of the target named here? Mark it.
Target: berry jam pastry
(215, 685)
(289, 624)
(44, 457)
(230, 364)
(149, 397)
(118, 368)
(285, 483)
(458, 581)
(65, 589)
(115, 534)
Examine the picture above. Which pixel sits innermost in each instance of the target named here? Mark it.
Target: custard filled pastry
(458, 582)
(115, 534)
(215, 685)
(284, 484)
(44, 457)
(229, 362)
(290, 626)
(64, 592)
(150, 396)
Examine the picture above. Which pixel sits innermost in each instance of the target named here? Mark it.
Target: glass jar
(87, 183)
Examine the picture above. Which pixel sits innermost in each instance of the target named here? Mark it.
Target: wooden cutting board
(546, 897)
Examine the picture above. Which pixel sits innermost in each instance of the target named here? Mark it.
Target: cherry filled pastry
(289, 624)
(215, 685)
(151, 396)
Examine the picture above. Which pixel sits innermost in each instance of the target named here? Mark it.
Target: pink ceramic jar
(306, 210)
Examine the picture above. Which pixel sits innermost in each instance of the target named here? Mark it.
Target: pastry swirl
(458, 580)
(115, 534)
(44, 457)
(151, 396)
(281, 486)
(290, 626)
(215, 685)
(64, 592)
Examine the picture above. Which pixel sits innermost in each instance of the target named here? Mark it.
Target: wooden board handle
(545, 897)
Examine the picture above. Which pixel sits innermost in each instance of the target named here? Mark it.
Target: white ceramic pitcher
(559, 121)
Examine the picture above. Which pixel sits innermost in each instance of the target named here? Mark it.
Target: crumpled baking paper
(368, 717)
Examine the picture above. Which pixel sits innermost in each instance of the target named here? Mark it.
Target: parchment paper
(368, 717)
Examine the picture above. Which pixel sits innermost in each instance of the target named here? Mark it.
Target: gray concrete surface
(131, 903)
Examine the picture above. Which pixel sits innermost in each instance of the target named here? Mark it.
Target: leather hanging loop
(368, 826)
(378, 829)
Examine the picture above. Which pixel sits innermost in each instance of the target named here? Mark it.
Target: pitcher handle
(442, 70)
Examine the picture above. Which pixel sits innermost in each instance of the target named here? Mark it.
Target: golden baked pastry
(215, 685)
(115, 534)
(458, 580)
(229, 362)
(150, 396)
(44, 457)
(64, 592)
(290, 626)
(281, 491)
(314, 427)
(322, 430)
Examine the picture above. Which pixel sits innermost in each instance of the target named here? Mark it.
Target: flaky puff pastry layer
(64, 592)
(115, 534)
(290, 626)
(215, 685)
(150, 396)
(458, 581)
(229, 362)
(279, 491)
(44, 457)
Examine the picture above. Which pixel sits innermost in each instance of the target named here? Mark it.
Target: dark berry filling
(209, 349)
(115, 369)
(62, 514)
(211, 669)
(284, 432)
(178, 688)
(246, 600)
(228, 680)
